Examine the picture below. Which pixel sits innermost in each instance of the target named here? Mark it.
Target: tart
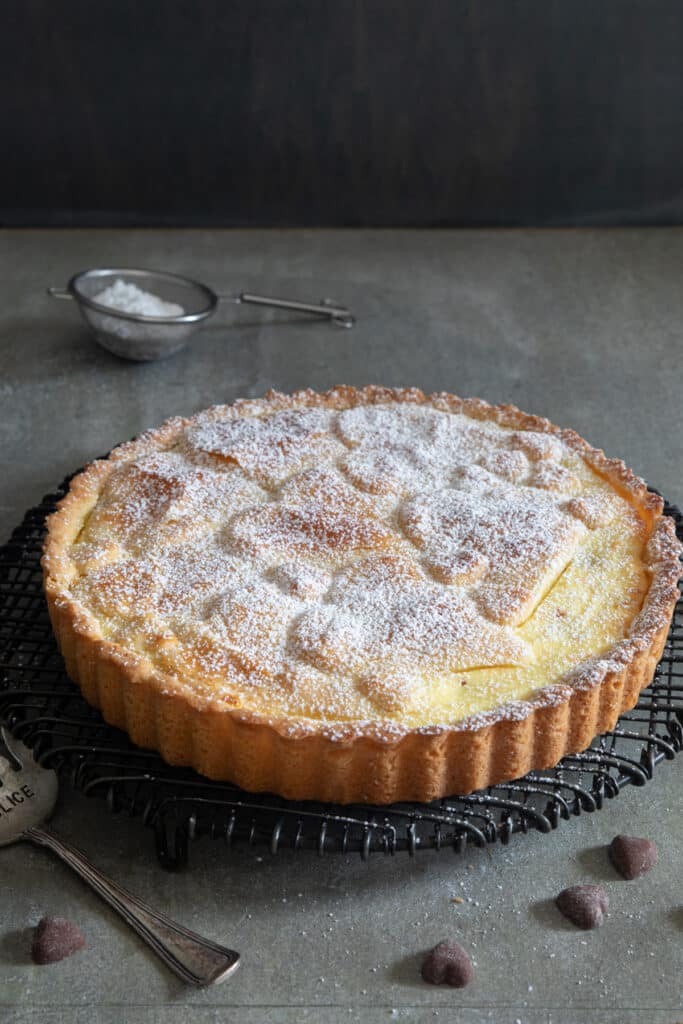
(363, 595)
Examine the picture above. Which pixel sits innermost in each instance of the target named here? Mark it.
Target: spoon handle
(196, 960)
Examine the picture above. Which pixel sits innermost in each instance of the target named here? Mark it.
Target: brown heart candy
(583, 905)
(632, 857)
(54, 939)
(448, 964)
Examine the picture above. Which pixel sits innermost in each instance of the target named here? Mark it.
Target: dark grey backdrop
(412, 112)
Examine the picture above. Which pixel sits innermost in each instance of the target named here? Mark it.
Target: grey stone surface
(583, 327)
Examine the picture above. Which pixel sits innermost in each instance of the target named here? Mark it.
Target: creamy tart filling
(364, 595)
(400, 561)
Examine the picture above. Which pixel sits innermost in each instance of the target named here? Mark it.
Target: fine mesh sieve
(144, 338)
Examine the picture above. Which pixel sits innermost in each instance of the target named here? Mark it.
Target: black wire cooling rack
(44, 709)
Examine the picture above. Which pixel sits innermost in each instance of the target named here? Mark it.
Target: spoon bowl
(28, 793)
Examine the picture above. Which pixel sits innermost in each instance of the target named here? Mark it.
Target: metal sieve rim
(73, 287)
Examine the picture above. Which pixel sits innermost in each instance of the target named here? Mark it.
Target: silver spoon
(28, 793)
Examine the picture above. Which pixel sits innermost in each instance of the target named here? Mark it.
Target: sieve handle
(59, 293)
(340, 316)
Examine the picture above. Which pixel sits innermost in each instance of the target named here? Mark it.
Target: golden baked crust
(364, 595)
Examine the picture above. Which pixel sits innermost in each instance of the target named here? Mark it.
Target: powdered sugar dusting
(383, 620)
(380, 562)
(269, 449)
(525, 539)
